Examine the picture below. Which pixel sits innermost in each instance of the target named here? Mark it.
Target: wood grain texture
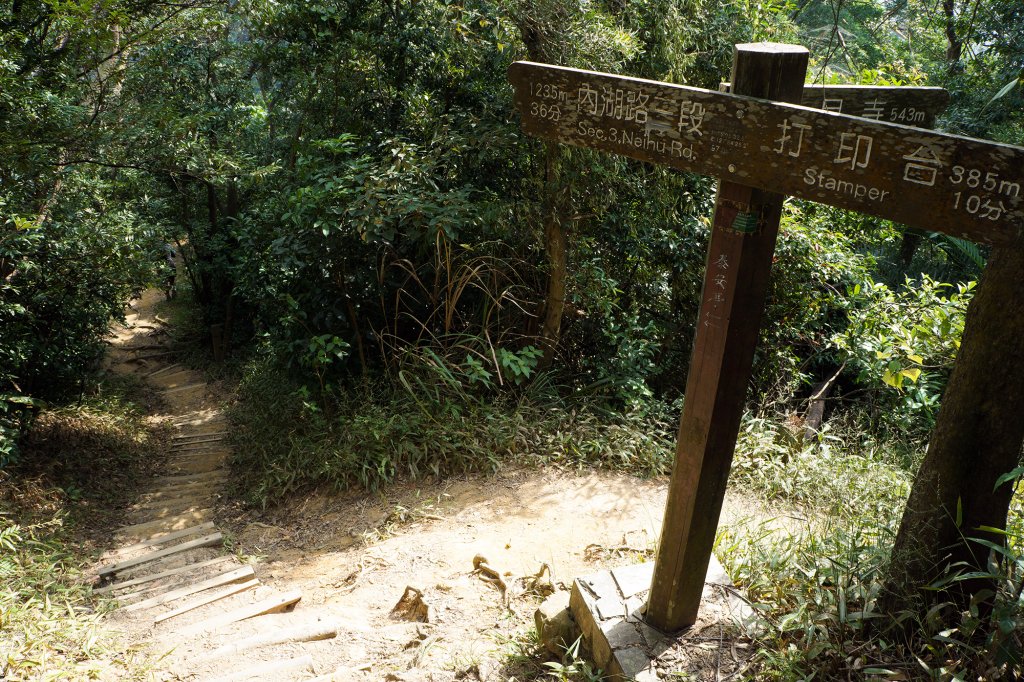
(914, 106)
(732, 302)
(968, 188)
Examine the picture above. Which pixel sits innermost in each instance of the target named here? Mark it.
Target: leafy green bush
(287, 441)
(815, 578)
(902, 344)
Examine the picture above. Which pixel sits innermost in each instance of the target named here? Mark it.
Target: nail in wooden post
(746, 224)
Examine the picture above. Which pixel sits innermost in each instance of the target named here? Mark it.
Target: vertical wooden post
(739, 261)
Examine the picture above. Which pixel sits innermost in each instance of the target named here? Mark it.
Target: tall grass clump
(287, 441)
(76, 465)
(815, 585)
(829, 473)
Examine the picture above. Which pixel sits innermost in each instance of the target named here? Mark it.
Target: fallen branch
(490, 575)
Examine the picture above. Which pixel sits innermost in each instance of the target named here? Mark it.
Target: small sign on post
(909, 106)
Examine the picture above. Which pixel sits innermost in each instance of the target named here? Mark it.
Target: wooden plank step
(184, 416)
(188, 387)
(200, 417)
(188, 478)
(169, 573)
(272, 670)
(175, 496)
(211, 446)
(274, 604)
(178, 490)
(196, 445)
(187, 437)
(203, 601)
(202, 463)
(205, 541)
(215, 422)
(148, 590)
(305, 633)
(198, 465)
(161, 370)
(243, 573)
(148, 528)
(159, 509)
(169, 379)
(166, 537)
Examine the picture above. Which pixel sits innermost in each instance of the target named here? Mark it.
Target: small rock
(555, 625)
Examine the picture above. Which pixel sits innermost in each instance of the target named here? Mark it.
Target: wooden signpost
(943, 183)
(910, 106)
(762, 150)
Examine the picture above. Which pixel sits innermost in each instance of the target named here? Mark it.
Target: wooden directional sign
(910, 106)
(964, 187)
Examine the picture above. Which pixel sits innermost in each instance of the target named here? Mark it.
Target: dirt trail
(317, 582)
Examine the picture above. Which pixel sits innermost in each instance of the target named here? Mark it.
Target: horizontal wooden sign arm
(972, 189)
(914, 105)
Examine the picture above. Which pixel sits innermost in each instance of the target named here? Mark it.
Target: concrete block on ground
(555, 625)
(608, 608)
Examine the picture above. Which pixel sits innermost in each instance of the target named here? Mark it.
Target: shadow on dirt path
(307, 591)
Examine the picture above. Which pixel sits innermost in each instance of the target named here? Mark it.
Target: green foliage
(76, 463)
(815, 593)
(815, 583)
(832, 472)
(287, 443)
(902, 345)
(818, 256)
(572, 667)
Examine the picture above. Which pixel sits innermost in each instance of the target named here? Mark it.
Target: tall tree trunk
(555, 250)
(976, 440)
(954, 43)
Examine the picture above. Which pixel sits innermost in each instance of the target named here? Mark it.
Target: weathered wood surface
(964, 187)
(906, 105)
(732, 302)
(162, 538)
(161, 575)
(307, 633)
(238, 574)
(202, 601)
(205, 541)
(274, 604)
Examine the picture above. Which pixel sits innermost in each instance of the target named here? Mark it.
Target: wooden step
(243, 573)
(188, 387)
(189, 478)
(279, 602)
(205, 541)
(169, 573)
(231, 590)
(161, 538)
(303, 633)
(162, 370)
(154, 526)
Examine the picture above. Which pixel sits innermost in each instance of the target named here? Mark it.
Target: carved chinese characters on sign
(717, 291)
(969, 188)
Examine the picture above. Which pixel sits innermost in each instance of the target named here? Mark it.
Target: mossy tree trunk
(976, 440)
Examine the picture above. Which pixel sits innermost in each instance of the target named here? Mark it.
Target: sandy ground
(351, 557)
